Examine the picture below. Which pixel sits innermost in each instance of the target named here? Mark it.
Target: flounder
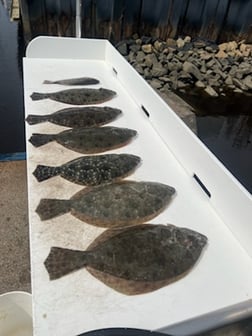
(77, 96)
(74, 81)
(77, 117)
(91, 170)
(111, 205)
(88, 140)
(133, 260)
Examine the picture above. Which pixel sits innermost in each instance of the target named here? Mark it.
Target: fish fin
(61, 261)
(48, 82)
(43, 173)
(50, 208)
(35, 119)
(38, 140)
(38, 96)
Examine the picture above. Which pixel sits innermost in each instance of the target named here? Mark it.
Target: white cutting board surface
(79, 302)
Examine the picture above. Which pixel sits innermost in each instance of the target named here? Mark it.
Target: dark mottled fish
(91, 170)
(74, 81)
(77, 96)
(133, 260)
(88, 140)
(76, 117)
(112, 205)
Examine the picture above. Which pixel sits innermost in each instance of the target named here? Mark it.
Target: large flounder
(77, 96)
(76, 117)
(112, 205)
(91, 170)
(133, 260)
(88, 140)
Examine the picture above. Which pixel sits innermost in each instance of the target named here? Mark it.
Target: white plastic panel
(171, 154)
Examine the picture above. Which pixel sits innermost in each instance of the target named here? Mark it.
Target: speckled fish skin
(88, 140)
(74, 81)
(112, 205)
(91, 170)
(77, 96)
(77, 117)
(150, 254)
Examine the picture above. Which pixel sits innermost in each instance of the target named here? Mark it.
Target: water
(11, 91)
(225, 126)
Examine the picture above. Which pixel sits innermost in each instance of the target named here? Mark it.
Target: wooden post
(25, 20)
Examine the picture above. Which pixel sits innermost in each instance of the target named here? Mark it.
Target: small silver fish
(133, 260)
(116, 204)
(88, 140)
(91, 170)
(76, 117)
(74, 81)
(77, 96)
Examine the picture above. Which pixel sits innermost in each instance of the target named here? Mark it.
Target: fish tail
(48, 82)
(39, 96)
(50, 208)
(61, 261)
(35, 119)
(43, 173)
(38, 140)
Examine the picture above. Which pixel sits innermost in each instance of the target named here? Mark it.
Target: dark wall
(216, 20)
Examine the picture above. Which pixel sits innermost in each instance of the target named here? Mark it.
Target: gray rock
(139, 69)
(158, 70)
(211, 48)
(239, 84)
(174, 66)
(200, 84)
(180, 43)
(181, 84)
(210, 63)
(171, 42)
(159, 46)
(192, 69)
(146, 39)
(140, 56)
(182, 56)
(210, 91)
(165, 79)
(203, 68)
(150, 59)
(147, 48)
(185, 76)
(237, 90)
(147, 74)
(131, 57)
(135, 47)
(248, 81)
(123, 48)
(156, 84)
(187, 39)
(170, 56)
(229, 80)
(233, 70)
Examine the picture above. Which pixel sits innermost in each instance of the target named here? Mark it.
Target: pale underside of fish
(88, 140)
(74, 81)
(111, 205)
(91, 170)
(134, 260)
(76, 117)
(77, 96)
